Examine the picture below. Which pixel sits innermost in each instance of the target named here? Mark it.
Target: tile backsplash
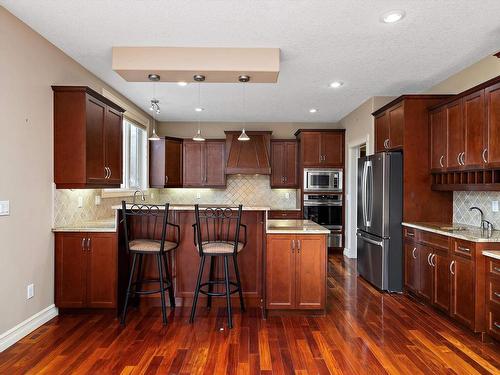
(463, 200)
(245, 189)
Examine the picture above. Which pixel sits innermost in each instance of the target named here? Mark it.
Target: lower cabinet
(441, 287)
(412, 266)
(85, 270)
(296, 271)
(493, 297)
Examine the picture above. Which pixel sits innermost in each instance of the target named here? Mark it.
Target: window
(134, 156)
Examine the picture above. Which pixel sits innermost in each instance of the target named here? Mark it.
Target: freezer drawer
(372, 260)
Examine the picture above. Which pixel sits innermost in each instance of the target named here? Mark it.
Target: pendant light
(198, 137)
(243, 136)
(155, 106)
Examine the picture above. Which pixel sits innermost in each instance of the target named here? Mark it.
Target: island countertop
(190, 207)
(295, 227)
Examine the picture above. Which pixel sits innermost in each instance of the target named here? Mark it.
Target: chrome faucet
(486, 226)
(143, 198)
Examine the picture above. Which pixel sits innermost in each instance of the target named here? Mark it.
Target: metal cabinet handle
(458, 159)
(298, 246)
(432, 260)
(429, 259)
(88, 244)
(497, 269)
(496, 294)
(293, 245)
(83, 243)
(286, 178)
(464, 249)
(106, 173)
(413, 253)
(484, 155)
(409, 234)
(497, 325)
(110, 172)
(441, 161)
(463, 158)
(166, 180)
(451, 267)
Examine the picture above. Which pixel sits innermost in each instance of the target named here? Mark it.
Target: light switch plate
(97, 200)
(30, 291)
(4, 208)
(80, 202)
(494, 206)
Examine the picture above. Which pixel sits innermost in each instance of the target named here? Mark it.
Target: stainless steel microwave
(323, 180)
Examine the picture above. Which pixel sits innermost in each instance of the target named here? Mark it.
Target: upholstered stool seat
(150, 246)
(221, 247)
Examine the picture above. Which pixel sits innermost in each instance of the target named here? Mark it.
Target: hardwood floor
(364, 332)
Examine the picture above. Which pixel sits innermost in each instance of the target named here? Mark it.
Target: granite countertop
(460, 231)
(492, 254)
(295, 227)
(190, 207)
(105, 225)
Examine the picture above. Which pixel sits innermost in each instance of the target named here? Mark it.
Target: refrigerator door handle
(373, 242)
(368, 194)
(363, 192)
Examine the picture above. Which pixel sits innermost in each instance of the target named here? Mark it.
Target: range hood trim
(257, 149)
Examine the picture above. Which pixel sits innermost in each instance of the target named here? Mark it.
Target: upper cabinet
(165, 163)
(204, 164)
(389, 128)
(284, 155)
(321, 148)
(87, 139)
(471, 124)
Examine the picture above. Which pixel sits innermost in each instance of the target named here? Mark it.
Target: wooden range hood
(248, 157)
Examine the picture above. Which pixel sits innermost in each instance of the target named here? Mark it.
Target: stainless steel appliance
(326, 210)
(380, 211)
(324, 180)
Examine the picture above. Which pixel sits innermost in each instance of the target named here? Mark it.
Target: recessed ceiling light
(393, 16)
(182, 83)
(199, 109)
(313, 110)
(336, 84)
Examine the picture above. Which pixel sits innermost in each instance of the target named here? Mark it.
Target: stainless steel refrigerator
(380, 212)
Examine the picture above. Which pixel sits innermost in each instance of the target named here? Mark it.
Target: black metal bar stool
(146, 236)
(217, 234)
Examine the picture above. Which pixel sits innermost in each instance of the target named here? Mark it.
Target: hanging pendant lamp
(198, 137)
(243, 136)
(155, 107)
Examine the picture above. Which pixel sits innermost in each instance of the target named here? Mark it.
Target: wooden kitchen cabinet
(87, 139)
(441, 286)
(85, 270)
(381, 132)
(475, 129)
(284, 164)
(493, 297)
(456, 134)
(492, 100)
(426, 274)
(437, 119)
(296, 271)
(285, 214)
(389, 128)
(321, 148)
(203, 163)
(412, 266)
(165, 163)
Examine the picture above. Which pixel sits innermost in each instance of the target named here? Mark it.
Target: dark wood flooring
(364, 332)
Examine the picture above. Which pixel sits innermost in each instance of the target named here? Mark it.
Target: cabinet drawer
(285, 214)
(434, 240)
(493, 267)
(493, 290)
(410, 233)
(463, 248)
(493, 322)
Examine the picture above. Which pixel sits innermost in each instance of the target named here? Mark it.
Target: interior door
(280, 271)
(438, 139)
(310, 270)
(214, 164)
(102, 270)
(474, 124)
(113, 133)
(95, 149)
(455, 132)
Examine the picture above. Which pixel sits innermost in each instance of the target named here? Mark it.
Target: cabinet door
(310, 272)
(173, 163)
(332, 149)
(475, 129)
(311, 149)
(193, 168)
(411, 266)
(396, 126)
(280, 272)
(492, 98)
(291, 154)
(278, 155)
(462, 290)
(214, 160)
(113, 133)
(70, 270)
(455, 133)
(102, 270)
(441, 279)
(381, 132)
(425, 272)
(438, 139)
(95, 150)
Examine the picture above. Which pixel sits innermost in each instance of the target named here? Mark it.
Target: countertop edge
(448, 234)
(495, 254)
(80, 229)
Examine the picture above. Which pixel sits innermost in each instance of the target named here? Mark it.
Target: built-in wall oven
(326, 210)
(322, 180)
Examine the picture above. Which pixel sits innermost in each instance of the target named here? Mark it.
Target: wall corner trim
(24, 328)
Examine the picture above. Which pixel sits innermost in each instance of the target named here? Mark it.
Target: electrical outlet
(4, 208)
(287, 195)
(97, 200)
(30, 291)
(80, 201)
(494, 206)
(152, 195)
(198, 195)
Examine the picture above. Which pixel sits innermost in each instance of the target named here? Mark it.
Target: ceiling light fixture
(393, 16)
(153, 77)
(313, 110)
(336, 84)
(199, 77)
(199, 109)
(182, 83)
(243, 136)
(198, 137)
(155, 106)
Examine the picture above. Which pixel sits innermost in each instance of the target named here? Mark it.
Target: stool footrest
(218, 294)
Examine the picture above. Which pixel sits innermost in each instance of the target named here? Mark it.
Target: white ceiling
(320, 40)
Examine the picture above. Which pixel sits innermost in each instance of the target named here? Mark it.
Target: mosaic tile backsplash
(247, 190)
(463, 200)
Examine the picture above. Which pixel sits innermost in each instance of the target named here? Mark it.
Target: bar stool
(146, 236)
(217, 234)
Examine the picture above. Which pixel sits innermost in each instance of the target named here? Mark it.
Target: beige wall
(29, 65)
(216, 129)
